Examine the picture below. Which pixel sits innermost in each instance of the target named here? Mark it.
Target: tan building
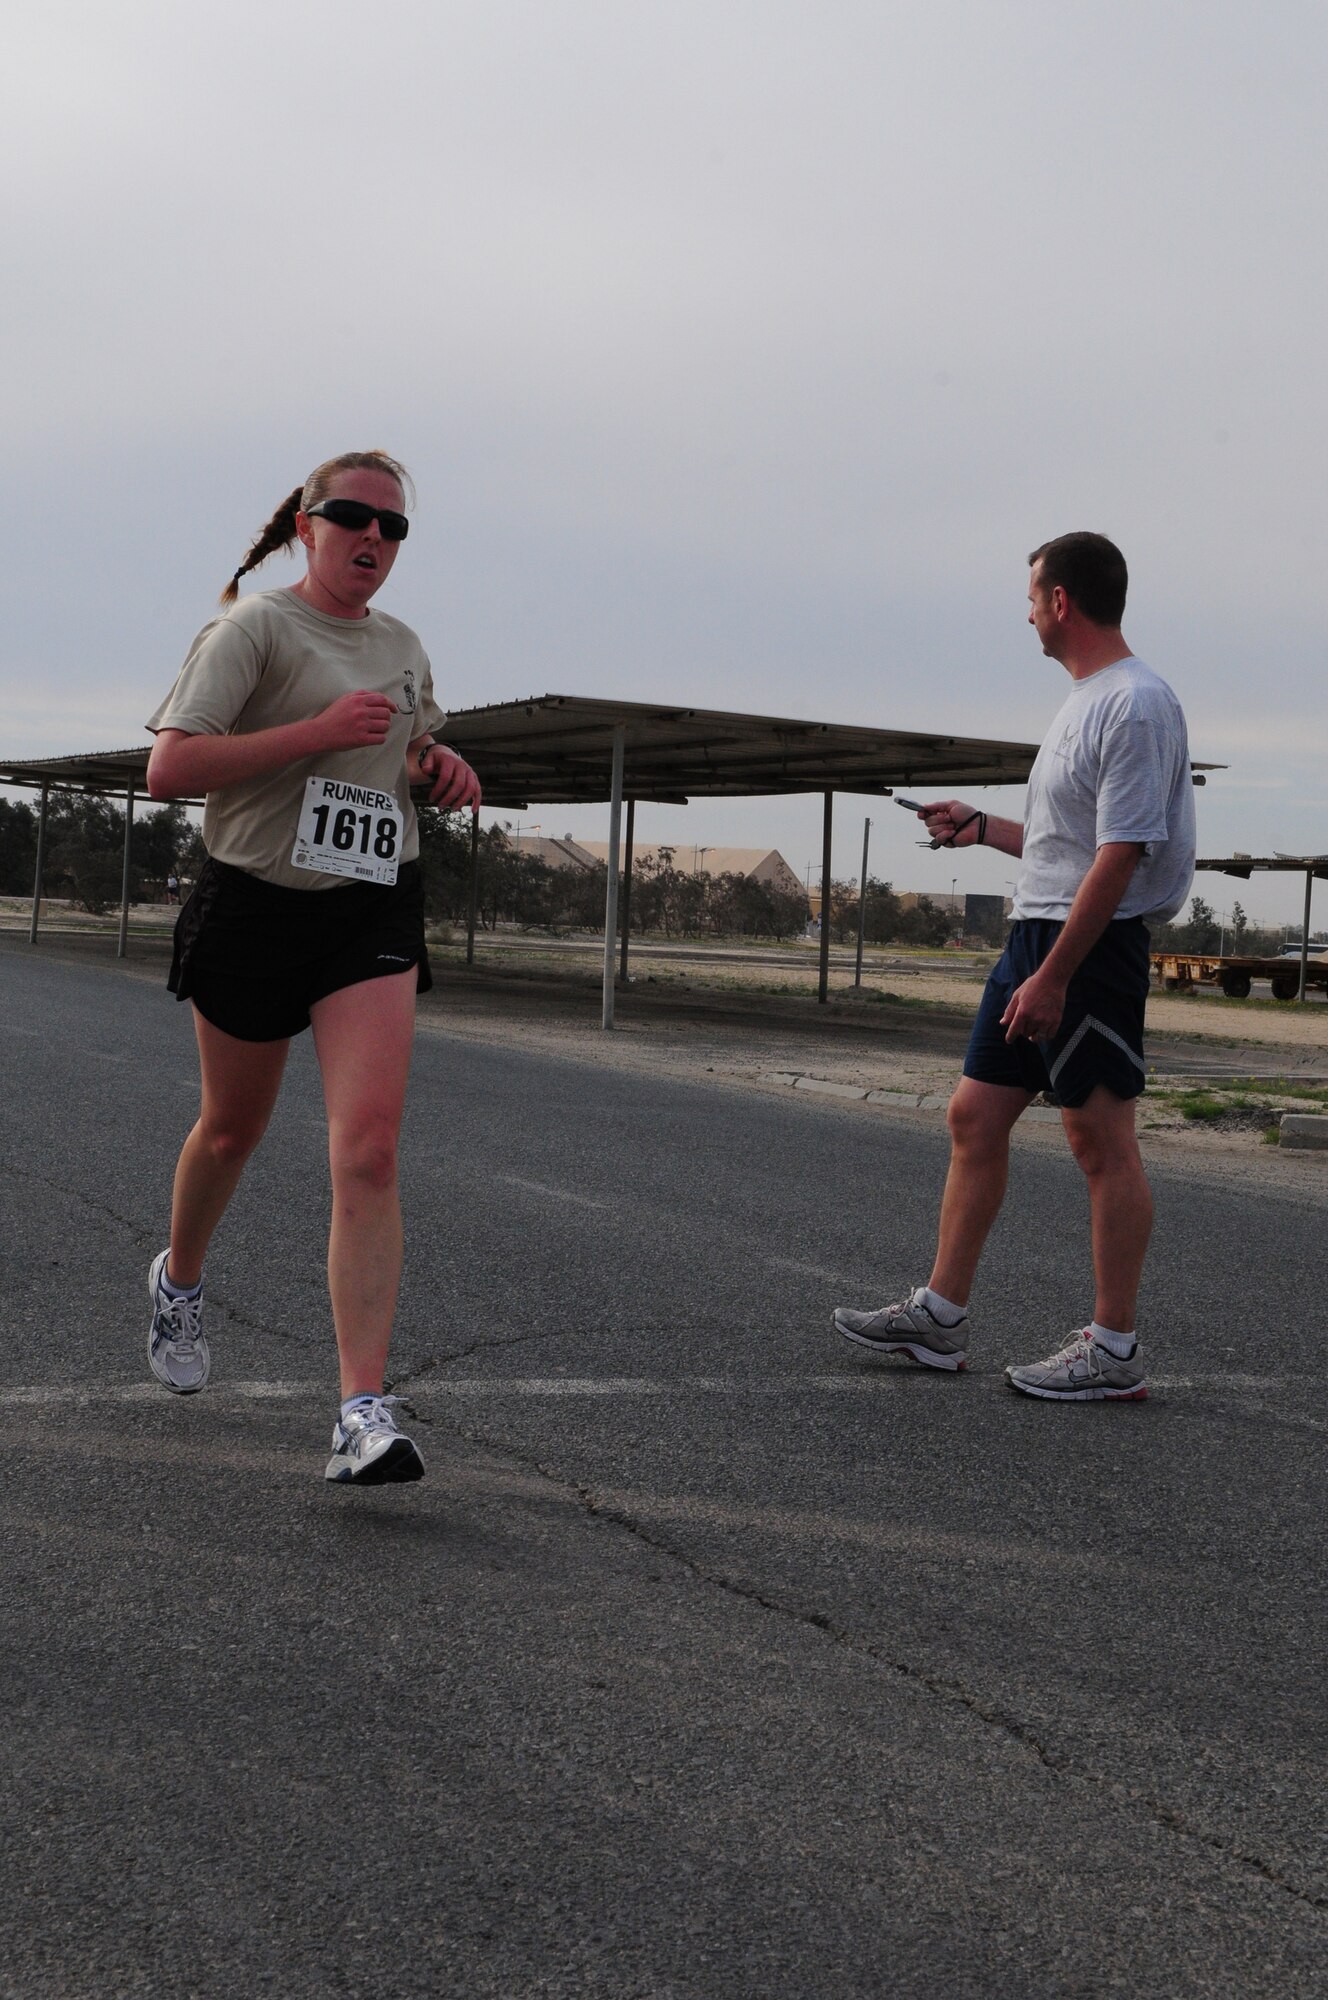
(564, 853)
(761, 864)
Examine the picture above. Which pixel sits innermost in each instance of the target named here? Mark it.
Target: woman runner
(303, 716)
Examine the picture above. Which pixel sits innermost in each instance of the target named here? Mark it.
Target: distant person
(303, 716)
(172, 888)
(1107, 844)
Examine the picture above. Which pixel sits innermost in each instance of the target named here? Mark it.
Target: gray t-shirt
(271, 659)
(1114, 766)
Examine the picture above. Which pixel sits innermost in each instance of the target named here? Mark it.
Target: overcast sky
(740, 351)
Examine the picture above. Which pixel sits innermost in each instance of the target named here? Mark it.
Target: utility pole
(862, 901)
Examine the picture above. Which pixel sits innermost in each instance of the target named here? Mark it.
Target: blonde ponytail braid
(278, 534)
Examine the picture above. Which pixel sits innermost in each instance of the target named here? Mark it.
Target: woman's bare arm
(185, 766)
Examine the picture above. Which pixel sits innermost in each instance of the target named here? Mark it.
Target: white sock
(174, 1291)
(944, 1311)
(1119, 1344)
(363, 1396)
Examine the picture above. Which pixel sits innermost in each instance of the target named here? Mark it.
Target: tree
(162, 843)
(18, 848)
(1202, 933)
(923, 923)
(883, 912)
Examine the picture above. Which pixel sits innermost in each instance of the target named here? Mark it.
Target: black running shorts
(254, 957)
(1101, 1036)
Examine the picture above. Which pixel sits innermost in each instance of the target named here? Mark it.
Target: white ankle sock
(174, 1291)
(363, 1396)
(944, 1311)
(1119, 1344)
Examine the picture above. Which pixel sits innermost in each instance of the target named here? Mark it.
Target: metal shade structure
(557, 749)
(101, 772)
(1311, 866)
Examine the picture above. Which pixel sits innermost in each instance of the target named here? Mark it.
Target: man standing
(1107, 845)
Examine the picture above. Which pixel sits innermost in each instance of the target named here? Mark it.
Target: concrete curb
(1304, 1129)
(895, 1100)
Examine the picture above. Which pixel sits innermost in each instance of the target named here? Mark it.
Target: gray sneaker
(1083, 1372)
(906, 1329)
(177, 1352)
(368, 1448)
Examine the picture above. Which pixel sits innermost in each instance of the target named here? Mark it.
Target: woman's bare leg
(363, 1035)
(240, 1085)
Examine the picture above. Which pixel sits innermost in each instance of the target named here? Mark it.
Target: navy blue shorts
(1101, 1037)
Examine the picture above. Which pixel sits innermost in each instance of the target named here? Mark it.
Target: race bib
(349, 830)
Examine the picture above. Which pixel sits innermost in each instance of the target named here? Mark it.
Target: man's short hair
(1090, 570)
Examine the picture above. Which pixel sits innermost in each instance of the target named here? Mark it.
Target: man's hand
(452, 782)
(943, 817)
(355, 721)
(1035, 1009)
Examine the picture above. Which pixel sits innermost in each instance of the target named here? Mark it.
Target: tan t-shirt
(273, 659)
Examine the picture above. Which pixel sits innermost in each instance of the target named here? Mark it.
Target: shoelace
(369, 1415)
(185, 1317)
(1080, 1348)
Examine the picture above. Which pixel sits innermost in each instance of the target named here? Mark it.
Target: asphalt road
(710, 1659)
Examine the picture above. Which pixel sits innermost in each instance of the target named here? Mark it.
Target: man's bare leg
(1102, 1138)
(981, 1118)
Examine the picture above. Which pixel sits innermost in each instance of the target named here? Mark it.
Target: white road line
(148, 1392)
(678, 1385)
(865, 1382)
(555, 1193)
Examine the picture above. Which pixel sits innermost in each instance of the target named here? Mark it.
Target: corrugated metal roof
(558, 749)
(1246, 865)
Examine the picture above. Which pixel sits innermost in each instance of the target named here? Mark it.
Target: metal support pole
(1305, 934)
(123, 945)
(41, 857)
(823, 989)
(627, 888)
(472, 906)
(611, 894)
(862, 901)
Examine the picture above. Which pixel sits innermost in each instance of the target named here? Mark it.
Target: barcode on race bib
(347, 829)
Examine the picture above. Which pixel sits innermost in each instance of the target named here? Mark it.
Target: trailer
(1182, 971)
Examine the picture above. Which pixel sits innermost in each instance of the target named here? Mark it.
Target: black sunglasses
(357, 514)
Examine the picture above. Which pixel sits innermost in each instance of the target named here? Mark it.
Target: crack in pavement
(1168, 1817)
(138, 1233)
(433, 1362)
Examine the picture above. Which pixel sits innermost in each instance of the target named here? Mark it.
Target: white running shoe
(906, 1329)
(177, 1352)
(1083, 1372)
(368, 1448)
